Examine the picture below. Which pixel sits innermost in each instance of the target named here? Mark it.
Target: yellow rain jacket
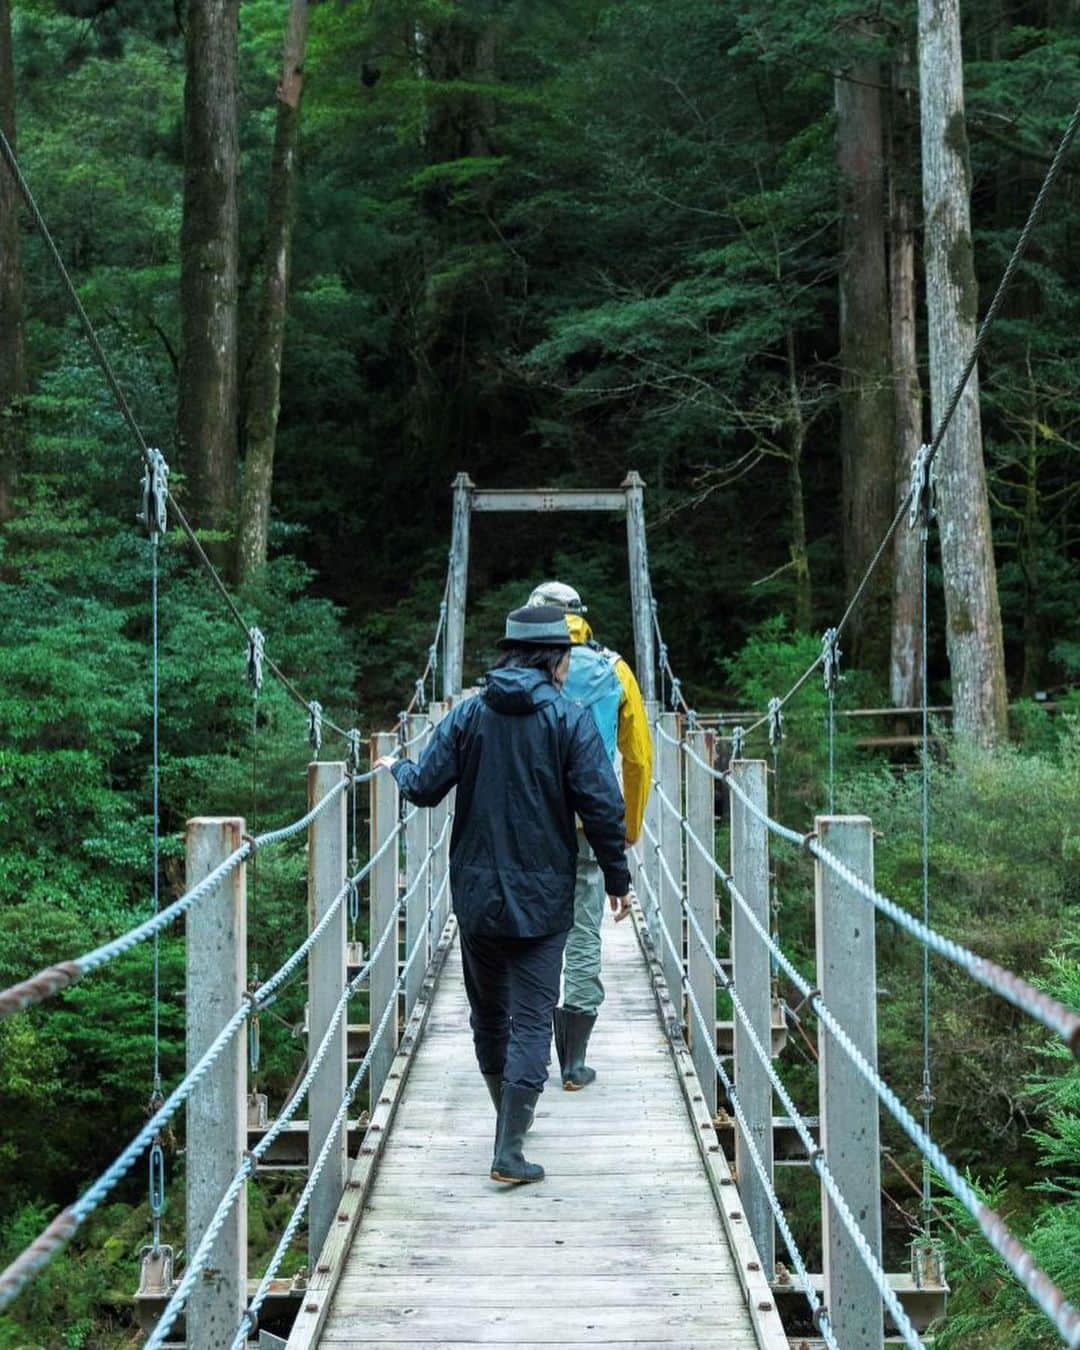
(634, 740)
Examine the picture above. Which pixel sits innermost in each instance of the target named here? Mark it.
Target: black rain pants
(513, 986)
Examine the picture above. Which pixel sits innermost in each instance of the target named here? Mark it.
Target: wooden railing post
(217, 1107)
(847, 978)
(384, 905)
(327, 854)
(417, 842)
(750, 958)
(669, 762)
(701, 898)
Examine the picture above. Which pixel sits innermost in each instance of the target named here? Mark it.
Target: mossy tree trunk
(12, 347)
(973, 616)
(209, 238)
(905, 659)
(264, 384)
(866, 437)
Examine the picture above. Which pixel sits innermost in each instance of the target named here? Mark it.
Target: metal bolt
(323, 1268)
(764, 1307)
(311, 1307)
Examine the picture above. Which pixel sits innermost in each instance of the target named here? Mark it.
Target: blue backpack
(592, 683)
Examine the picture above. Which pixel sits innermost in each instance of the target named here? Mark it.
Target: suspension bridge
(662, 1219)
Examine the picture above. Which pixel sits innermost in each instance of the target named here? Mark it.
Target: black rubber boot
(515, 1116)
(494, 1087)
(577, 1028)
(558, 1027)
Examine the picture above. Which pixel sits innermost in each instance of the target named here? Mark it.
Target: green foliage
(988, 1307)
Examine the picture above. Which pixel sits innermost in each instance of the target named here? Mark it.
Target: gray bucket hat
(536, 626)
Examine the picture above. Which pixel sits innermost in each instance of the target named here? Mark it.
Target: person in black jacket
(525, 762)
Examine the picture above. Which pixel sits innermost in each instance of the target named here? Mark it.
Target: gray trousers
(582, 986)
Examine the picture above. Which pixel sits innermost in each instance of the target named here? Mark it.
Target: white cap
(558, 593)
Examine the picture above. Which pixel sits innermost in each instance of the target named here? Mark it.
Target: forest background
(542, 243)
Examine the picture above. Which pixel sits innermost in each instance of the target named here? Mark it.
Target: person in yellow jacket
(599, 679)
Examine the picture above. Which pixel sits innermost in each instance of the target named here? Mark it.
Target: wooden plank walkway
(620, 1244)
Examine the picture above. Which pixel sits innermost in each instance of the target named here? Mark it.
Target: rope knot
(352, 749)
(738, 742)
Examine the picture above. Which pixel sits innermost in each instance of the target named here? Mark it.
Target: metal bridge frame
(629, 498)
(676, 871)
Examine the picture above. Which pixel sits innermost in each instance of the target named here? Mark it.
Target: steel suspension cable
(251, 1160)
(1039, 1286)
(10, 159)
(1016, 257)
(814, 1153)
(59, 1232)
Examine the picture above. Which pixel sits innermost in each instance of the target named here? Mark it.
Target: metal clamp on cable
(352, 750)
(830, 660)
(155, 494)
(255, 656)
(315, 726)
(923, 494)
(776, 722)
(738, 742)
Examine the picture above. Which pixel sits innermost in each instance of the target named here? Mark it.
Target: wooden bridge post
(327, 857)
(440, 862)
(417, 843)
(701, 898)
(750, 958)
(640, 592)
(650, 860)
(217, 1107)
(669, 760)
(454, 665)
(384, 904)
(847, 978)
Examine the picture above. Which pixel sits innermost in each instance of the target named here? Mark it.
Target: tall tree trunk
(209, 239)
(973, 616)
(866, 438)
(264, 389)
(12, 349)
(905, 663)
(804, 606)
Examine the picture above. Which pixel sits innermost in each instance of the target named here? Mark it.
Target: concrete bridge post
(701, 898)
(847, 978)
(384, 904)
(440, 862)
(327, 855)
(669, 775)
(217, 1107)
(417, 842)
(750, 957)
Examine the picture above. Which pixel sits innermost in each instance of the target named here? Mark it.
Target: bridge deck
(621, 1244)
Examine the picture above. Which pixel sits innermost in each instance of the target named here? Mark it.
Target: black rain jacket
(524, 761)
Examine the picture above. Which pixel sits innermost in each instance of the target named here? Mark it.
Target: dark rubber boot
(577, 1028)
(558, 1027)
(494, 1087)
(515, 1117)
